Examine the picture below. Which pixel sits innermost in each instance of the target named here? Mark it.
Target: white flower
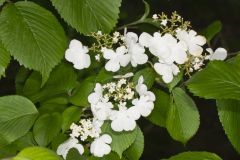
(219, 54)
(97, 57)
(102, 110)
(167, 71)
(143, 105)
(142, 89)
(96, 96)
(164, 22)
(127, 75)
(99, 33)
(193, 41)
(136, 51)
(116, 59)
(64, 148)
(166, 47)
(155, 16)
(124, 119)
(77, 54)
(100, 146)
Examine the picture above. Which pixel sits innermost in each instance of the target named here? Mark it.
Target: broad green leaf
(59, 139)
(33, 36)
(80, 95)
(183, 117)
(70, 115)
(4, 59)
(120, 140)
(212, 30)
(175, 81)
(17, 117)
(88, 16)
(161, 107)
(104, 76)
(58, 104)
(46, 128)
(135, 151)
(20, 79)
(196, 156)
(219, 80)
(25, 141)
(37, 153)
(110, 156)
(229, 115)
(148, 74)
(62, 79)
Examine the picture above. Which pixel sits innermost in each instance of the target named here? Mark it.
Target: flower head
(77, 54)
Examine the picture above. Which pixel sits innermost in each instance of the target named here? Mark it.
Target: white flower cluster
(121, 103)
(87, 128)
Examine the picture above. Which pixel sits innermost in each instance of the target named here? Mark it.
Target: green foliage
(70, 115)
(135, 151)
(195, 156)
(148, 74)
(212, 30)
(120, 140)
(80, 95)
(36, 29)
(36, 153)
(1, 2)
(229, 115)
(219, 80)
(175, 81)
(161, 107)
(17, 117)
(46, 128)
(4, 59)
(183, 117)
(56, 84)
(88, 16)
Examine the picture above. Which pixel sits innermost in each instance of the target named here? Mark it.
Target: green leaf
(17, 117)
(36, 153)
(104, 76)
(20, 79)
(212, 30)
(120, 140)
(62, 79)
(4, 59)
(80, 95)
(25, 141)
(219, 80)
(135, 151)
(148, 74)
(229, 115)
(46, 128)
(183, 117)
(88, 16)
(33, 36)
(70, 115)
(175, 81)
(195, 156)
(161, 107)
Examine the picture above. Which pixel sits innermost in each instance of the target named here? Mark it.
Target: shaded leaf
(195, 156)
(4, 59)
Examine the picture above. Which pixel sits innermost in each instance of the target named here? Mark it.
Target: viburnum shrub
(84, 100)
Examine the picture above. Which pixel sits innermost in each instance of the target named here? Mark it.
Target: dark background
(210, 137)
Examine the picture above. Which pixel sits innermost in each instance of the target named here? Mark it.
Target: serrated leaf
(88, 16)
(219, 80)
(120, 140)
(148, 74)
(4, 59)
(47, 128)
(212, 30)
(135, 151)
(17, 117)
(195, 156)
(33, 36)
(70, 115)
(183, 117)
(37, 153)
(62, 79)
(229, 115)
(80, 95)
(161, 107)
